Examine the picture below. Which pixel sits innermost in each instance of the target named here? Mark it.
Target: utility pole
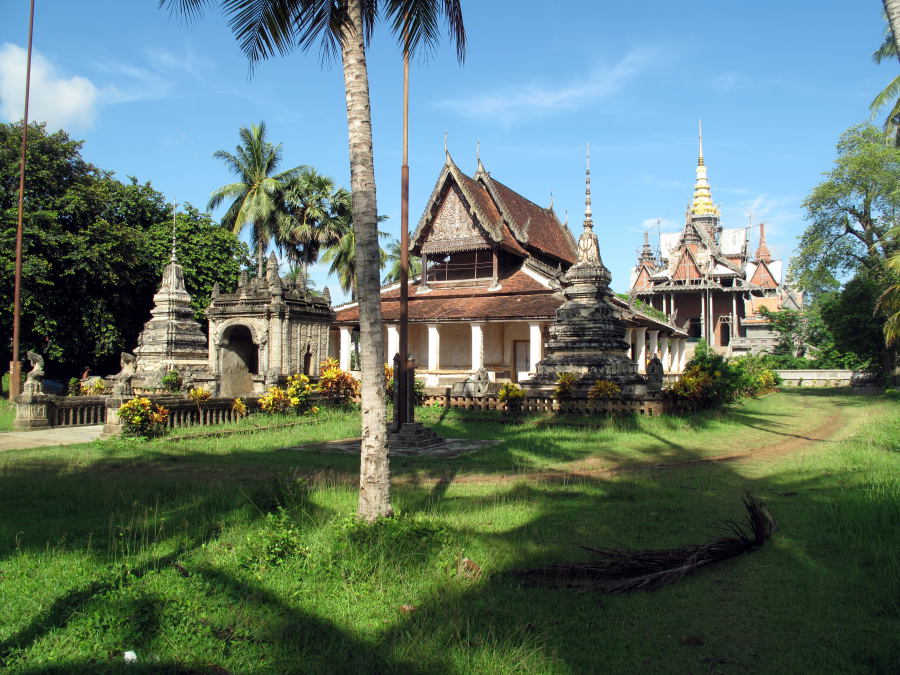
(15, 366)
(400, 378)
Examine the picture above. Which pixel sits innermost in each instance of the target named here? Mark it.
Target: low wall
(821, 378)
(532, 404)
(40, 411)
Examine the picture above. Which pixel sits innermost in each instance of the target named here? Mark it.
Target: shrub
(278, 542)
(604, 389)
(73, 387)
(564, 386)
(199, 396)
(708, 378)
(298, 392)
(274, 401)
(389, 383)
(511, 394)
(336, 384)
(239, 407)
(694, 384)
(755, 378)
(142, 418)
(98, 388)
(172, 381)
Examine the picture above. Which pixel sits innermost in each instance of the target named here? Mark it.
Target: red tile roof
(540, 227)
(521, 298)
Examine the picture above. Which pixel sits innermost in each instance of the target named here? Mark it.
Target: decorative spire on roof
(173, 257)
(646, 251)
(762, 253)
(703, 203)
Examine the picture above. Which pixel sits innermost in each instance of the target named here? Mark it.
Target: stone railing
(39, 411)
(823, 378)
(533, 404)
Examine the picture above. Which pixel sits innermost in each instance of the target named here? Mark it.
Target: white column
(434, 347)
(734, 330)
(665, 354)
(703, 320)
(477, 346)
(629, 334)
(681, 352)
(393, 343)
(653, 345)
(535, 345)
(663, 303)
(640, 349)
(345, 348)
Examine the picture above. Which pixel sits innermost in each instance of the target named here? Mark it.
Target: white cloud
(532, 99)
(59, 101)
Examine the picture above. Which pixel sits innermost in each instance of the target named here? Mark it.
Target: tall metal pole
(400, 379)
(15, 366)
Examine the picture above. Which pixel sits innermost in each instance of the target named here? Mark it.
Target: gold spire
(703, 203)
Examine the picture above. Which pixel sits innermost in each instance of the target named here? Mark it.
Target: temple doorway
(240, 361)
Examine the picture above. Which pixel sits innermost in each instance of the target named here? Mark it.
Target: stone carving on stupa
(587, 337)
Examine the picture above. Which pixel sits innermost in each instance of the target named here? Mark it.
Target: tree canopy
(93, 251)
(851, 213)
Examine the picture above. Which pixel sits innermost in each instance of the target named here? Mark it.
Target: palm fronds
(625, 570)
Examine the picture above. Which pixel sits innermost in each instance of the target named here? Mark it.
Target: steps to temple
(413, 436)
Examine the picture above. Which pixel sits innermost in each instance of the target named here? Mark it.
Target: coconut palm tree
(342, 27)
(255, 195)
(393, 259)
(888, 302)
(892, 11)
(319, 215)
(342, 252)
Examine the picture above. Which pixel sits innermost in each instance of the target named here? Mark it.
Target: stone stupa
(587, 338)
(172, 338)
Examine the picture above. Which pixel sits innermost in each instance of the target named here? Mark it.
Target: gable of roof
(763, 277)
(687, 267)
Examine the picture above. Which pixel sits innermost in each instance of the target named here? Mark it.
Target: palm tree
(264, 27)
(342, 252)
(393, 259)
(888, 302)
(255, 195)
(891, 93)
(319, 215)
(892, 11)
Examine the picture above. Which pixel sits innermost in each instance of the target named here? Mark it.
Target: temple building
(492, 264)
(706, 280)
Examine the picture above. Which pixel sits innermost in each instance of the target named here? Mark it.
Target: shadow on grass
(745, 610)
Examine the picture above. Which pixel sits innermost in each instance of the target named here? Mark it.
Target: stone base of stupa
(588, 368)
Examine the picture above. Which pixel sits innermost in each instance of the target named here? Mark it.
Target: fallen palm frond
(623, 570)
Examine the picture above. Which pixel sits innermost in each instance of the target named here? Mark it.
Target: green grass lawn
(240, 553)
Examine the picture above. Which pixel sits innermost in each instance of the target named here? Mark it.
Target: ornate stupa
(172, 338)
(588, 336)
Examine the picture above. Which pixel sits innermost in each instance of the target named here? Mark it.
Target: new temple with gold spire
(706, 279)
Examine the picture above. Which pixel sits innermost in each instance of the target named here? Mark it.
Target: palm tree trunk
(374, 472)
(892, 9)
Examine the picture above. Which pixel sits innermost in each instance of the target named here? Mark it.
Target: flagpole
(400, 378)
(15, 366)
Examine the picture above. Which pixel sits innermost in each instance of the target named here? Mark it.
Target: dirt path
(833, 424)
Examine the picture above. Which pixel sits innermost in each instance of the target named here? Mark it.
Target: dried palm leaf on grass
(624, 570)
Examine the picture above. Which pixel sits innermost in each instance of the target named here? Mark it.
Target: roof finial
(700, 127)
(588, 222)
(702, 205)
(551, 199)
(446, 152)
(173, 258)
(478, 151)
(763, 253)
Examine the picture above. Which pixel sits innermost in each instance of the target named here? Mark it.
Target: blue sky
(775, 83)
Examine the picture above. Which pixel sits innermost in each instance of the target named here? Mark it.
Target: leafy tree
(851, 212)
(94, 248)
(791, 327)
(264, 27)
(255, 195)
